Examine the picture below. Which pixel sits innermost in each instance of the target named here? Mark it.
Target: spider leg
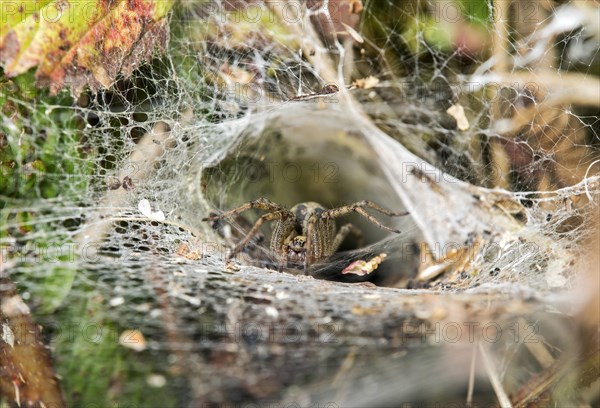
(374, 220)
(266, 217)
(281, 233)
(261, 204)
(371, 204)
(308, 258)
(337, 212)
(343, 233)
(359, 208)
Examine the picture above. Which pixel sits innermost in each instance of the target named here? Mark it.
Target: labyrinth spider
(305, 234)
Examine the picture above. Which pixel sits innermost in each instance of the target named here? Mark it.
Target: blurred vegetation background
(61, 148)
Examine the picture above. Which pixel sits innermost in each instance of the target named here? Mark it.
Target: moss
(44, 161)
(96, 369)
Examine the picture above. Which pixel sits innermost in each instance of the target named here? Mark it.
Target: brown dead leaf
(456, 259)
(343, 18)
(26, 374)
(362, 268)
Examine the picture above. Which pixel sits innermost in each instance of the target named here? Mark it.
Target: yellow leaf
(79, 43)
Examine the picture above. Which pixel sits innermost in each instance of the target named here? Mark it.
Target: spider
(305, 234)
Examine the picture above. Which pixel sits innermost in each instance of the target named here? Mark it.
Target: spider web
(480, 119)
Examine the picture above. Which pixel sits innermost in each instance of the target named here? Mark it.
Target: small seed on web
(458, 113)
(113, 183)
(230, 266)
(185, 251)
(133, 339)
(127, 183)
(353, 33)
(366, 83)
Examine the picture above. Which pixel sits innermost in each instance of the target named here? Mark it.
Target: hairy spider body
(306, 233)
(295, 239)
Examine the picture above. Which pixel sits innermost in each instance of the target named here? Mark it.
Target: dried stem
(494, 379)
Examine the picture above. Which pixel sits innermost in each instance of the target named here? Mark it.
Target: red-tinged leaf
(83, 42)
(27, 378)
